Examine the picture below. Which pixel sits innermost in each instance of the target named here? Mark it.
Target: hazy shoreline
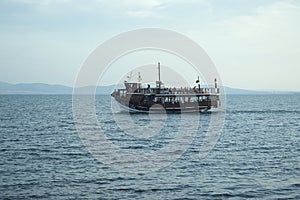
(42, 88)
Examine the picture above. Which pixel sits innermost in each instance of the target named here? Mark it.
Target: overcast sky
(254, 43)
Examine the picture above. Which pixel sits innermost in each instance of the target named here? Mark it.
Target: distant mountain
(4, 84)
(229, 90)
(42, 88)
(33, 88)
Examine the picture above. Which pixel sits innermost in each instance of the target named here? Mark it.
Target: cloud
(254, 45)
(153, 8)
(141, 14)
(258, 50)
(136, 8)
(277, 18)
(146, 3)
(42, 2)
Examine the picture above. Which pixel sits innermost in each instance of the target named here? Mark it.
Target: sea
(44, 154)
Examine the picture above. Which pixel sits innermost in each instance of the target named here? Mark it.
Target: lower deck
(171, 103)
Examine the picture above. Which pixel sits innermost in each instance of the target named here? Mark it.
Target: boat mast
(139, 82)
(159, 82)
(159, 72)
(199, 84)
(139, 78)
(216, 86)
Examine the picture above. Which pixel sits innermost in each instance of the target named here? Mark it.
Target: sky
(254, 43)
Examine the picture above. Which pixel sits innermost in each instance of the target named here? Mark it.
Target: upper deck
(183, 91)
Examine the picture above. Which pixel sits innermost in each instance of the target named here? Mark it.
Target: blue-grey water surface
(257, 155)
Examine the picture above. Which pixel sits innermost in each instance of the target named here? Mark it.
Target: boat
(157, 99)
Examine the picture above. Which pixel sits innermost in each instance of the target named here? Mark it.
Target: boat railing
(195, 90)
(185, 90)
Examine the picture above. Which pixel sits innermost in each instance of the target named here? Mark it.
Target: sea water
(257, 155)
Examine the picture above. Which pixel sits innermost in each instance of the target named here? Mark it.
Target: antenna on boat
(129, 76)
(216, 86)
(139, 77)
(198, 82)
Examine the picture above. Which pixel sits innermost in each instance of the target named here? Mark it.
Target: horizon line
(107, 85)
